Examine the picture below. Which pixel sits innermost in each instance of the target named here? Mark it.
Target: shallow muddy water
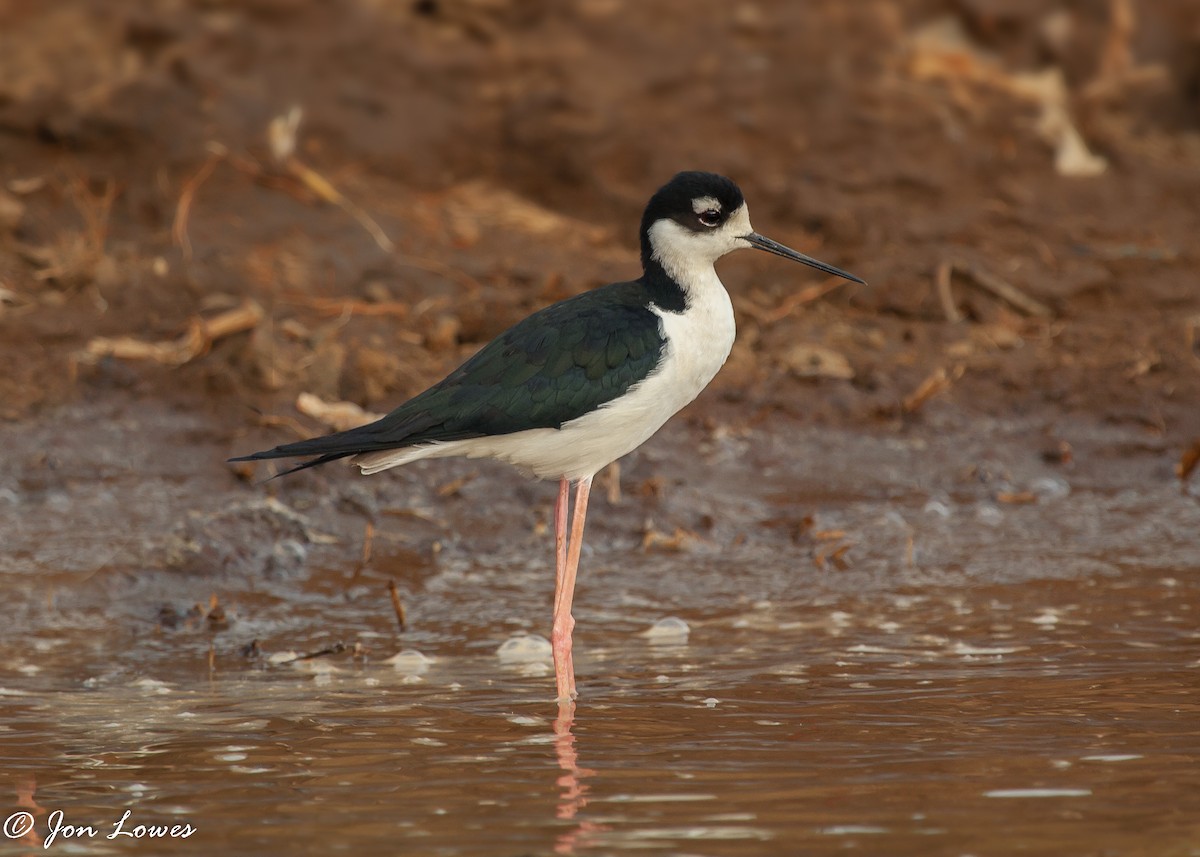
(970, 676)
(1044, 719)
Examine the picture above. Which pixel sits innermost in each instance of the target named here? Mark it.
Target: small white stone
(671, 631)
(1050, 488)
(410, 662)
(1048, 618)
(525, 649)
(150, 685)
(989, 513)
(937, 507)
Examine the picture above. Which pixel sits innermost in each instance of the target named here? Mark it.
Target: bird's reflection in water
(574, 791)
(26, 789)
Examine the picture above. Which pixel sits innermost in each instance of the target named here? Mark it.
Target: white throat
(699, 338)
(688, 256)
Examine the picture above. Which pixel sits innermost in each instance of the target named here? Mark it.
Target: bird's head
(696, 218)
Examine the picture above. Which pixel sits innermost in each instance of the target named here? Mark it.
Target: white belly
(697, 343)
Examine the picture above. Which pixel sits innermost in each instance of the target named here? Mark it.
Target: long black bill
(764, 243)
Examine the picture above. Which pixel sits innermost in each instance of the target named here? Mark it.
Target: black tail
(331, 447)
(419, 420)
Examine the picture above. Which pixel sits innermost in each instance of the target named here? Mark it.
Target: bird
(582, 382)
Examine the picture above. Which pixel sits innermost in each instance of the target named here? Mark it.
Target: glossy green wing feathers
(555, 366)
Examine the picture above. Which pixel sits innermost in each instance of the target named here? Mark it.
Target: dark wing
(558, 364)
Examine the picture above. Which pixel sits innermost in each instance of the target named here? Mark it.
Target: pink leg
(560, 537)
(560, 572)
(564, 590)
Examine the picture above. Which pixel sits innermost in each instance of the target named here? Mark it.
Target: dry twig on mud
(805, 360)
(434, 266)
(1016, 498)
(351, 306)
(368, 543)
(1119, 72)
(397, 605)
(832, 547)
(610, 479)
(335, 649)
(680, 540)
(988, 281)
(767, 316)
(12, 212)
(339, 416)
(1192, 325)
(200, 336)
(454, 487)
(319, 185)
(941, 280)
(183, 208)
(215, 616)
(1188, 461)
(942, 50)
(835, 557)
(281, 135)
(75, 257)
(937, 382)
(273, 421)
(10, 300)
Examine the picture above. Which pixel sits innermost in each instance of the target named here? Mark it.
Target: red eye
(710, 218)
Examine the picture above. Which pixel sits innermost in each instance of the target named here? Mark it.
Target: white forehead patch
(739, 221)
(705, 203)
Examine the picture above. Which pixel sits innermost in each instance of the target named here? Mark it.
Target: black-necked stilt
(581, 383)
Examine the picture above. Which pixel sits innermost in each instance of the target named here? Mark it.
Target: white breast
(697, 343)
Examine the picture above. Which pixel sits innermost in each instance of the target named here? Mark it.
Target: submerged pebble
(989, 513)
(1050, 488)
(321, 668)
(1112, 757)
(150, 685)
(937, 506)
(410, 662)
(1047, 618)
(525, 649)
(287, 559)
(670, 631)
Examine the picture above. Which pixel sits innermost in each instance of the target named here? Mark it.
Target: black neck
(664, 292)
